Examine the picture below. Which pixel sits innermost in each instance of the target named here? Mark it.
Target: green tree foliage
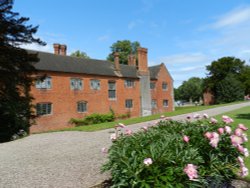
(16, 69)
(80, 54)
(245, 79)
(190, 90)
(125, 48)
(222, 70)
(229, 89)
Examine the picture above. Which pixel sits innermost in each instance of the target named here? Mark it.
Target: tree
(190, 90)
(125, 48)
(80, 54)
(218, 73)
(16, 70)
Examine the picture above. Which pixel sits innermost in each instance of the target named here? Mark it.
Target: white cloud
(36, 47)
(233, 18)
(192, 68)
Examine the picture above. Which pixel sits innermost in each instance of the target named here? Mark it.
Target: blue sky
(185, 35)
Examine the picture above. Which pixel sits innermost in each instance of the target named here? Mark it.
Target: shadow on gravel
(243, 116)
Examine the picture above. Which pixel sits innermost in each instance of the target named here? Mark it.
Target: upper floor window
(76, 84)
(82, 106)
(165, 103)
(129, 83)
(44, 84)
(164, 85)
(154, 103)
(43, 108)
(112, 89)
(129, 103)
(152, 85)
(95, 84)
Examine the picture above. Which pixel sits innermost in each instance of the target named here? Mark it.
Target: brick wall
(64, 100)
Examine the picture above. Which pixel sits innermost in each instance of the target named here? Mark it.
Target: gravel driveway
(63, 159)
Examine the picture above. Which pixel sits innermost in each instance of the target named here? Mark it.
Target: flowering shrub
(177, 154)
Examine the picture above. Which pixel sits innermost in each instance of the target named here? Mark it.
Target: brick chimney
(63, 49)
(56, 48)
(131, 60)
(116, 61)
(142, 60)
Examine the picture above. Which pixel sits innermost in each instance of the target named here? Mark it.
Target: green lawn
(178, 111)
(241, 116)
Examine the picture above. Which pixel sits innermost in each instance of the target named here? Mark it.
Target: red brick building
(76, 87)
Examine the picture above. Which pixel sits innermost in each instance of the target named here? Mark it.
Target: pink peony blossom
(240, 148)
(227, 119)
(244, 137)
(242, 127)
(236, 140)
(246, 153)
(191, 171)
(243, 171)
(188, 117)
(162, 116)
(147, 161)
(241, 161)
(238, 132)
(214, 140)
(113, 137)
(197, 116)
(208, 135)
(128, 132)
(205, 116)
(221, 130)
(186, 139)
(121, 125)
(228, 129)
(104, 150)
(145, 128)
(213, 120)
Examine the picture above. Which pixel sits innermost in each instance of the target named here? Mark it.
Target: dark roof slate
(59, 63)
(154, 70)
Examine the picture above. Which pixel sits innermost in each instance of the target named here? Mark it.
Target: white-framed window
(76, 84)
(112, 90)
(129, 103)
(43, 108)
(95, 84)
(129, 83)
(82, 106)
(44, 84)
(164, 86)
(154, 103)
(152, 85)
(165, 103)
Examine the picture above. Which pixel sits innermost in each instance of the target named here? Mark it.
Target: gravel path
(63, 159)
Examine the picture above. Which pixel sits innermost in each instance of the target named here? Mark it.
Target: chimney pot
(56, 48)
(116, 61)
(142, 59)
(63, 49)
(131, 60)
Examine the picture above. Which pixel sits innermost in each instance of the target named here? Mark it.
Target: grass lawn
(178, 111)
(241, 115)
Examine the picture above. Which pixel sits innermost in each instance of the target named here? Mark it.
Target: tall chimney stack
(142, 59)
(116, 61)
(56, 48)
(63, 49)
(131, 60)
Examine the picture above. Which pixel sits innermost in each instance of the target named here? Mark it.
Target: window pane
(152, 85)
(129, 103)
(165, 103)
(164, 86)
(43, 108)
(82, 106)
(95, 84)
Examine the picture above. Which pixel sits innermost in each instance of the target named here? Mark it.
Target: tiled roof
(154, 70)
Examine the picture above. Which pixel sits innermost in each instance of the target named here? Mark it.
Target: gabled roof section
(154, 71)
(68, 64)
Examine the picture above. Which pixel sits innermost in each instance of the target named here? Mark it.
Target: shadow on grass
(243, 116)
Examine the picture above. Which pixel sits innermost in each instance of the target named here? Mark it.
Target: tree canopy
(16, 70)
(125, 48)
(80, 54)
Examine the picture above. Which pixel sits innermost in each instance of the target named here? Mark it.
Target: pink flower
(121, 125)
(205, 116)
(228, 129)
(244, 137)
(236, 140)
(104, 150)
(246, 153)
(191, 171)
(145, 128)
(243, 171)
(128, 132)
(113, 137)
(147, 161)
(197, 116)
(186, 139)
(242, 127)
(221, 130)
(213, 120)
(162, 117)
(208, 135)
(240, 148)
(227, 119)
(214, 140)
(238, 132)
(188, 117)
(241, 161)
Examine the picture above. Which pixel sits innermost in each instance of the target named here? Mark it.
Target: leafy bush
(94, 119)
(202, 153)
